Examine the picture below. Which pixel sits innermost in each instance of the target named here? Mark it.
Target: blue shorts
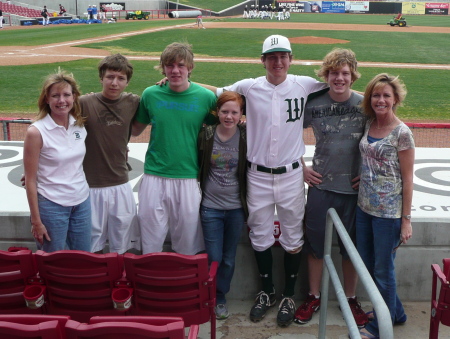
(317, 205)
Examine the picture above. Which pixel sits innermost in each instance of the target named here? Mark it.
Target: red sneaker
(360, 316)
(306, 310)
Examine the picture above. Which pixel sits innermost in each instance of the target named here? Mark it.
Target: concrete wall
(78, 7)
(429, 245)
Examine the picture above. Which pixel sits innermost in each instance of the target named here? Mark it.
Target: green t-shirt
(176, 119)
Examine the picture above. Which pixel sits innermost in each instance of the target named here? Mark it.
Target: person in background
(56, 187)
(89, 12)
(45, 16)
(1, 18)
(109, 115)
(62, 10)
(222, 176)
(383, 215)
(199, 21)
(169, 194)
(94, 12)
(338, 124)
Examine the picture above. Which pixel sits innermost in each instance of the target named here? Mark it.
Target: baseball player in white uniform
(275, 105)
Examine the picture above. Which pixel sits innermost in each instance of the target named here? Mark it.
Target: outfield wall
(359, 7)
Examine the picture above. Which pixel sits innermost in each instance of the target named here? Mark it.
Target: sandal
(402, 321)
(367, 335)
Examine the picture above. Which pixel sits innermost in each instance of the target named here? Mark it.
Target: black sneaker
(262, 303)
(286, 312)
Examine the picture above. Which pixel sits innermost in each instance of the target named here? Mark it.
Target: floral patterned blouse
(380, 188)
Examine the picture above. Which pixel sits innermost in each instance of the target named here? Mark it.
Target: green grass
(425, 101)
(368, 46)
(44, 35)
(427, 98)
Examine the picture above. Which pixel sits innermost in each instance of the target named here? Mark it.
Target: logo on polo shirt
(77, 135)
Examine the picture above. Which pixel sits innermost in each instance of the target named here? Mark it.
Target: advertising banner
(357, 6)
(333, 6)
(294, 6)
(436, 8)
(413, 8)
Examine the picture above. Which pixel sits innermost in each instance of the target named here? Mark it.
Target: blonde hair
(176, 52)
(60, 78)
(379, 81)
(336, 59)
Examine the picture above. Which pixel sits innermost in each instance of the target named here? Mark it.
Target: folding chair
(440, 308)
(79, 283)
(171, 284)
(169, 322)
(17, 269)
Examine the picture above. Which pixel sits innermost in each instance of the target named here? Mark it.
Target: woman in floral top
(383, 217)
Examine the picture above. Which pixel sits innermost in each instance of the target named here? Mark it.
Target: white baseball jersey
(275, 117)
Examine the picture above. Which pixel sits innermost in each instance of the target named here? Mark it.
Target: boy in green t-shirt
(169, 195)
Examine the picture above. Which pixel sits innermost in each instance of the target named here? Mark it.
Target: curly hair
(336, 59)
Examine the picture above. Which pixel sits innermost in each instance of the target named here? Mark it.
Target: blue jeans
(66, 225)
(222, 230)
(376, 239)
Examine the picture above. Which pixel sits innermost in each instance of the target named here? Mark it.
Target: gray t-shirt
(338, 128)
(222, 187)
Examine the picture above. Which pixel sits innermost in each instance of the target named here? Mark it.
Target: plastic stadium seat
(17, 269)
(172, 322)
(124, 330)
(14, 326)
(440, 307)
(79, 283)
(44, 330)
(171, 284)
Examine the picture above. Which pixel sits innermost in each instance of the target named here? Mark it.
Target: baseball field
(228, 50)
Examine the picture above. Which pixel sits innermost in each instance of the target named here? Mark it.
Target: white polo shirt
(60, 175)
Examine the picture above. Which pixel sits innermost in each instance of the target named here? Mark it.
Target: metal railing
(329, 271)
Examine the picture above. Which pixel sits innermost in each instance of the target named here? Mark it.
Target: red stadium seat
(79, 283)
(44, 330)
(149, 320)
(14, 326)
(17, 269)
(440, 307)
(171, 284)
(124, 330)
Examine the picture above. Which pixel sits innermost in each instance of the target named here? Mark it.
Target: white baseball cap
(276, 43)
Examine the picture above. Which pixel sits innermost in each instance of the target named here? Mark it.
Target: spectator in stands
(383, 215)
(62, 10)
(169, 195)
(223, 169)
(109, 115)
(45, 17)
(56, 187)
